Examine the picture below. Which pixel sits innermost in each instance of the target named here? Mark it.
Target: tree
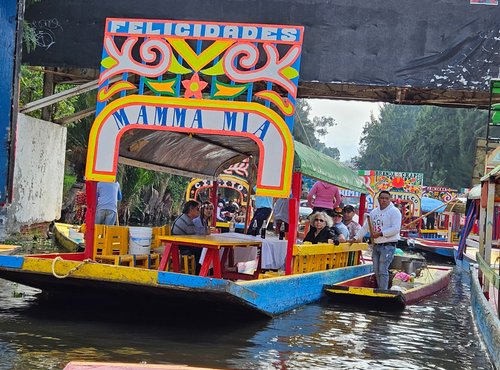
(436, 141)
(385, 140)
(309, 131)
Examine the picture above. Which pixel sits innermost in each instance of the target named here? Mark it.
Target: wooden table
(214, 243)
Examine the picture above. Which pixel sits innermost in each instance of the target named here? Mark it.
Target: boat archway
(224, 181)
(193, 116)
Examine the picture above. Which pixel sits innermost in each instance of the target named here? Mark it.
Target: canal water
(435, 334)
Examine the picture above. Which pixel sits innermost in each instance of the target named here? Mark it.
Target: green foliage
(69, 181)
(29, 37)
(439, 142)
(31, 83)
(309, 131)
(29, 33)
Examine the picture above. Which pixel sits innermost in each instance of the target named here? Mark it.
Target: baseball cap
(348, 208)
(337, 211)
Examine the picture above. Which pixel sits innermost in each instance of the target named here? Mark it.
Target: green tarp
(319, 166)
(493, 173)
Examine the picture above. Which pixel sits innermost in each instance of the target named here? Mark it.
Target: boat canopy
(204, 156)
(475, 192)
(319, 166)
(493, 173)
(431, 204)
(207, 156)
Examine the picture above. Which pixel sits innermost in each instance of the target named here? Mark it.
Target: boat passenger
(348, 220)
(263, 209)
(202, 222)
(322, 230)
(281, 214)
(337, 222)
(324, 197)
(184, 225)
(108, 195)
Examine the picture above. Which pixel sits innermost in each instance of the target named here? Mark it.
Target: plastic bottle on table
(232, 226)
(282, 231)
(254, 228)
(263, 230)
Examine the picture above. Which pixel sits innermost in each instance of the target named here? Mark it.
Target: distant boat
(362, 290)
(68, 237)
(442, 248)
(9, 249)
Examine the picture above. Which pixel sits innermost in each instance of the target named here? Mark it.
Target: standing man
(386, 224)
(108, 195)
(263, 209)
(348, 214)
(281, 215)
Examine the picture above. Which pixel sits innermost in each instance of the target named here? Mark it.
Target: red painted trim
(214, 200)
(362, 206)
(293, 215)
(67, 256)
(91, 191)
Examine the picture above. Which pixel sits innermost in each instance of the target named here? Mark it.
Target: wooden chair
(111, 245)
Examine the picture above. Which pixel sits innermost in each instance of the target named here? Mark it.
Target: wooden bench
(321, 257)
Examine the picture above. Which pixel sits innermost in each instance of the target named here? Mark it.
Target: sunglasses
(318, 220)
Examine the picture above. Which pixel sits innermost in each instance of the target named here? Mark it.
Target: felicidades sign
(175, 59)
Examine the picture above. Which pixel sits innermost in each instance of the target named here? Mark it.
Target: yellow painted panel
(314, 249)
(92, 270)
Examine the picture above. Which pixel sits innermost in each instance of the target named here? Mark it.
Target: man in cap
(348, 214)
(337, 222)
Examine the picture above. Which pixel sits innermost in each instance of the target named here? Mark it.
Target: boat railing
(320, 257)
(489, 276)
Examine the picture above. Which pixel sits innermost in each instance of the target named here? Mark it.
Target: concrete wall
(38, 174)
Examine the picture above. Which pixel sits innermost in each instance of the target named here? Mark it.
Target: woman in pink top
(324, 197)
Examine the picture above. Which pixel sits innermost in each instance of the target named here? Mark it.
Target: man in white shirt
(386, 225)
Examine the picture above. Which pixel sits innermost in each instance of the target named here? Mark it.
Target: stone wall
(38, 175)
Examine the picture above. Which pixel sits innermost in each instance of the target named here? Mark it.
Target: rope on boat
(76, 268)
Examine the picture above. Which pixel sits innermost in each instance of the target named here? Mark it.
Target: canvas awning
(319, 166)
(475, 192)
(493, 173)
(206, 156)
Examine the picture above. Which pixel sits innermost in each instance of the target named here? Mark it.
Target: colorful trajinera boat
(442, 248)
(479, 254)
(442, 242)
(6, 249)
(363, 289)
(69, 237)
(196, 132)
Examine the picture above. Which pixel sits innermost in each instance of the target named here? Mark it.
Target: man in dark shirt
(183, 225)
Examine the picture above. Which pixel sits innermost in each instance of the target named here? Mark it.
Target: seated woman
(203, 221)
(321, 230)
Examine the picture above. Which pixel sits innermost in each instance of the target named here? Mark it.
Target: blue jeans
(105, 217)
(382, 257)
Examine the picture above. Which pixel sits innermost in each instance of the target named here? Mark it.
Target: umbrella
(429, 204)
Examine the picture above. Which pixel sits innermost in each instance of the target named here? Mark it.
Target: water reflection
(436, 334)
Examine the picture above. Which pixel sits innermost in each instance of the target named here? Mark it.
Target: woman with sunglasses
(203, 221)
(321, 230)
